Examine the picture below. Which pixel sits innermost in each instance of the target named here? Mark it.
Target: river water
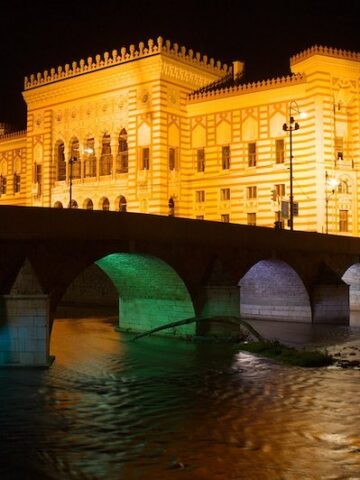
(165, 409)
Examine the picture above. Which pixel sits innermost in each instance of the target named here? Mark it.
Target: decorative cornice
(248, 87)
(327, 51)
(124, 56)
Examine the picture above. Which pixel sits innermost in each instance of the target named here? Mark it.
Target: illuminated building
(159, 129)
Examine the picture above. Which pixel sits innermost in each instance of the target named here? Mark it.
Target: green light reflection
(151, 293)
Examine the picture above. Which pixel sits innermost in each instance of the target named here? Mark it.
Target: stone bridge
(165, 269)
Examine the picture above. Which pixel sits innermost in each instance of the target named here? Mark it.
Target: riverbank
(341, 342)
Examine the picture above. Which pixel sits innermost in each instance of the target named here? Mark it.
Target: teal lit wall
(151, 293)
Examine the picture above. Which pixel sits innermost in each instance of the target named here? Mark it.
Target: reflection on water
(165, 409)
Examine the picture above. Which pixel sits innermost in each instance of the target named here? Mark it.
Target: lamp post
(72, 160)
(332, 183)
(290, 127)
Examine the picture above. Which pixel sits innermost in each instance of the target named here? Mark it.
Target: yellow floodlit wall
(156, 128)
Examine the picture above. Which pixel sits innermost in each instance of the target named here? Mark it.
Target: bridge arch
(352, 278)
(273, 290)
(151, 293)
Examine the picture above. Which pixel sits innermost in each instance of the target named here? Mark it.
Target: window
(225, 194)
(343, 220)
(75, 165)
(90, 159)
(200, 196)
(88, 204)
(16, 183)
(145, 158)
(106, 157)
(61, 164)
(343, 186)
(251, 192)
(122, 204)
(252, 154)
(105, 204)
(38, 178)
(225, 157)
(280, 150)
(172, 158)
(122, 159)
(280, 189)
(199, 217)
(2, 185)
(251, 219)
(200, 155)
(339, 148)
(225, 218)
(171, 207)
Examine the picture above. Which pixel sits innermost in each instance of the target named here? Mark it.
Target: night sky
(35, 36)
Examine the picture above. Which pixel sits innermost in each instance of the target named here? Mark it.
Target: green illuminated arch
(151, 293)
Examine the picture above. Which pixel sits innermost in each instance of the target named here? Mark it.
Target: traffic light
(273, 194)
(295, 209)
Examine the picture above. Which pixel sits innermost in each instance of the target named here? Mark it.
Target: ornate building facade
(162, 130)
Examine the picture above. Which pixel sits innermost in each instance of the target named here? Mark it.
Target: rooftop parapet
(327, 51)
(116, 58)
(247, 87)
(7, 136)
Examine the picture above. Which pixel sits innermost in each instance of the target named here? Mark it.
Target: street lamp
(72, 160)
(331, 182)
(290, 127)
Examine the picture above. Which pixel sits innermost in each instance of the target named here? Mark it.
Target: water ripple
(163, 409)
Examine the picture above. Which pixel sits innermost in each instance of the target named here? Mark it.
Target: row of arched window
(83, 162)
(104, 204)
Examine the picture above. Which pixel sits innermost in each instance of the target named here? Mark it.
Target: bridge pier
(330, 298)
(24, 322)
(331, 304)
(220, 300)
(24, 331)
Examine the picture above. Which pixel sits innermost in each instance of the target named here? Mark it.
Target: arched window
(122, 204)
(75, 160)
(171, 207)
(74, 204)
(106, 157)
(122, 156)
(105, 204)
(343, 186)
(17, 183)
(58, 205)
(88, 204)
(61, 164)
(3, 184)
(89, 158)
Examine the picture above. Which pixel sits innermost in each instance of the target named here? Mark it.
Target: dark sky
(35, 36)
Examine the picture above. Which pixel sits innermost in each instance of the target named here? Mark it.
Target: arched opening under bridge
(352, 278)
(148, 291)
(272, 290)
(151, 293)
